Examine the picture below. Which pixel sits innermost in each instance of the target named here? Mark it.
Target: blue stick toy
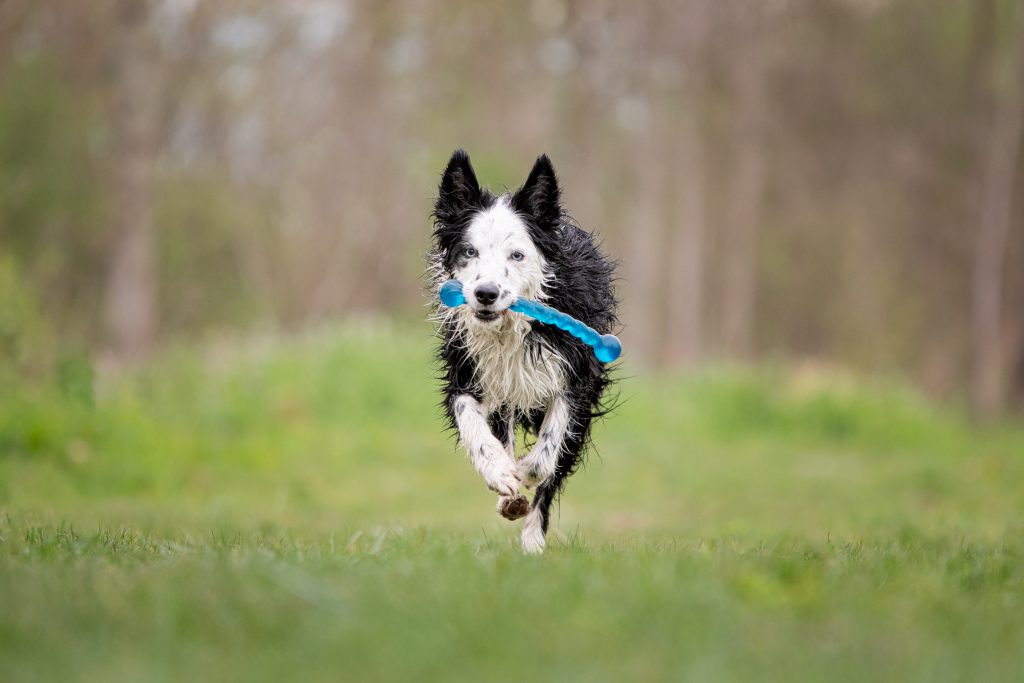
(607, 347)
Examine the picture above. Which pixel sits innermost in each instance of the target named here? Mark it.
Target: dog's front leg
(540, 462)
(487, 454)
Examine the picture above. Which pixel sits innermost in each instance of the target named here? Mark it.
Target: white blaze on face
(498, 251)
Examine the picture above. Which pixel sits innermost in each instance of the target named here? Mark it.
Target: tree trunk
(644, 272)
(743, 210)
(131, 314)
(998, 169)
(685, 285)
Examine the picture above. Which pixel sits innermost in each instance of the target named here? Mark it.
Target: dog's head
(498, 247)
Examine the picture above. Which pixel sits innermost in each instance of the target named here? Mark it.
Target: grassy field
(292, 510)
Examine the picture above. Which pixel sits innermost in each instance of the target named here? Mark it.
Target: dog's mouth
(488, 316)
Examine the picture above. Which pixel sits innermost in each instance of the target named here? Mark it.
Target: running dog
(501, 370)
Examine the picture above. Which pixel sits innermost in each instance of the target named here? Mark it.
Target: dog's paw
(532, 537)
(501, 476)
(534, 468)
(513, 508)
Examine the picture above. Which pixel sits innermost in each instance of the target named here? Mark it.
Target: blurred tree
(685, 287)
(52, 196)
(748, 72)
(999, 159)
(131, 301)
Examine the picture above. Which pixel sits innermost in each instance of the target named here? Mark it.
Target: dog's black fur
(582, 286)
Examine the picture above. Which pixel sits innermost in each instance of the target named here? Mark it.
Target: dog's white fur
(532, 537)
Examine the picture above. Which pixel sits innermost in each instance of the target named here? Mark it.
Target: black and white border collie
(502, 370)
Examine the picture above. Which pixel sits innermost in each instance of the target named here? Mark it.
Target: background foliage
(784, 180)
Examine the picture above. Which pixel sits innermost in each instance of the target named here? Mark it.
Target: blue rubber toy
(607, 347)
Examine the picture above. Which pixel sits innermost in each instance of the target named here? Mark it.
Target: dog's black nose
(486, 293)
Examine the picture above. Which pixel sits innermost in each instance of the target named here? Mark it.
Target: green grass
(293, 510)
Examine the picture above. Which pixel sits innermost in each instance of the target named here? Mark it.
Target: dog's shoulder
(583, 279)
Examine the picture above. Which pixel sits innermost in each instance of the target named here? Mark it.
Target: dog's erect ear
(539, 196)
(459, 188)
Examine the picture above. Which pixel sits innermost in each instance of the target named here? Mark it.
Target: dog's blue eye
(469, 252)
(518, 256)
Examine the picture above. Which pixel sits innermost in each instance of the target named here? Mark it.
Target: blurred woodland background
(815, 180)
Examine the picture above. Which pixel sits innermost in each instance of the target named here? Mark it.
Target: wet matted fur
(501, 370)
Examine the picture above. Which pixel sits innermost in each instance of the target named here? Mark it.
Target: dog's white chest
(525, 381)
(513, 374)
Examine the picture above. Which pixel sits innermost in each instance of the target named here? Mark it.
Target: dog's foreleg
(539, 467)
(486, 452)
(542, 459)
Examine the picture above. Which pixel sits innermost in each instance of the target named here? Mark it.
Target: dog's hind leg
(503, 426)
(535, 526)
